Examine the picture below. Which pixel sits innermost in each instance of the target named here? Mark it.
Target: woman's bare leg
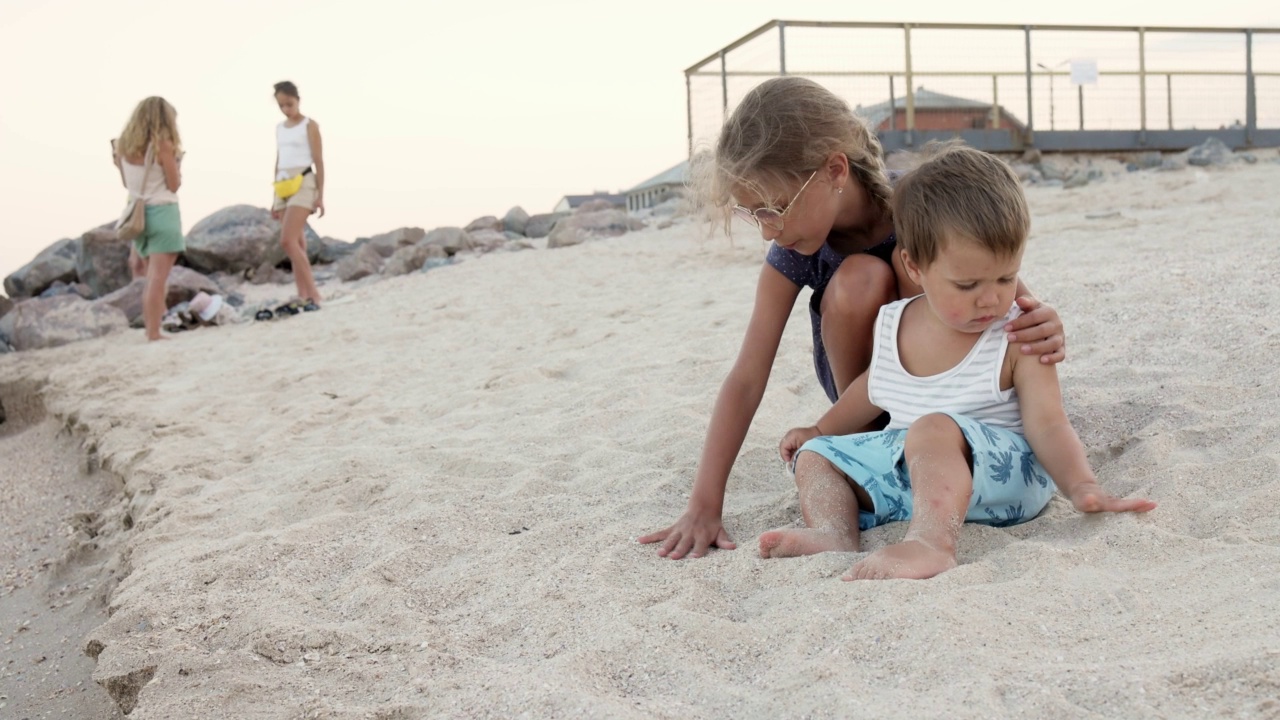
(294, 241)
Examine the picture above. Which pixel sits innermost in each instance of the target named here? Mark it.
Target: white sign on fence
(1084, 72)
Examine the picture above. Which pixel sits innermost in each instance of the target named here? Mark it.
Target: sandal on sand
(311, 306)
(289, 308)
(264, 314)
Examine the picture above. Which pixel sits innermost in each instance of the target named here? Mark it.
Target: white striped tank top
(971, 388)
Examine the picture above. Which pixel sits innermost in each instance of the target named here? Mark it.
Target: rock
(1023, 171)
(515, 220)
(102, 260)
(433, 263)
(365, 261)
(54, 263)
(540, 225)
(1032, 156)
(124, 687)
(483, 241)
(517, 245)
(61, 288)
(606, 223)
(1053, 171)
(451, 239)
(591, 206)
(267, 273)
(234, 239)
(1149, 160)
(488, 222)
(5, 306)
(183, 285)
(1249, 158)
(330, 250)
(50, 322)
(411, 259)
(1175, 162)
(1210, 152)
(665, 224)
(389, 242)
(564, 234)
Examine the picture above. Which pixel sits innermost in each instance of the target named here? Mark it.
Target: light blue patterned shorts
(1009, 484)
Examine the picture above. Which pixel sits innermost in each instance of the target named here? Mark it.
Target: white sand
(323, 506)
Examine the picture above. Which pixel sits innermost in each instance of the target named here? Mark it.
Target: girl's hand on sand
(694, 530)
(1091, 498)
(1039, 330)
(794, 438)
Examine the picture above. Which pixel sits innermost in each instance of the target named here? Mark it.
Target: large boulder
(411, 259)
(564, 234)
(540, 225)
(389, 242)
(183, 285)
(365, 261)
(488, 222)
(1210, 152)
(328, 250)
(102, 260)
(54, 263)
(450, 239)
(483, 241)
(5, 306)
(594, 223)
(50, 322)
(234, 239)
(595, 205)
(515, 220)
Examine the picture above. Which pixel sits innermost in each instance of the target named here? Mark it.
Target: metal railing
(1138, 98)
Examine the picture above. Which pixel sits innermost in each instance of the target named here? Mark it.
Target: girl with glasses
(797, 164)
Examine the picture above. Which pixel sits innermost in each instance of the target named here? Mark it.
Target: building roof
(576, 200)
(676, 175)
(925, 100)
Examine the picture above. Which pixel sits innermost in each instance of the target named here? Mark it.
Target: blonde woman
(298, 156)
(148, 154)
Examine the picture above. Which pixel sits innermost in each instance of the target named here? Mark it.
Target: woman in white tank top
(298, 153)
(147, 154)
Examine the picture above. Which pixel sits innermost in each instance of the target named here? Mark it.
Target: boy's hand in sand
(794, 438)
(696, 530)
(1091, 498)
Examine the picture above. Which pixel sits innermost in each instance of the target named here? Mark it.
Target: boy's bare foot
(793, 542)
(909, 559)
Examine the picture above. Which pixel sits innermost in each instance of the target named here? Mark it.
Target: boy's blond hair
(959, 191)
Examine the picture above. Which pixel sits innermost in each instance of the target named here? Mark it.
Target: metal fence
(1012, 87)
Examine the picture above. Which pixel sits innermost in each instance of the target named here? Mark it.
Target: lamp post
(1050, 70)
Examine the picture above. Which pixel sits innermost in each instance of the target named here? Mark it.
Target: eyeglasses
(770, 217)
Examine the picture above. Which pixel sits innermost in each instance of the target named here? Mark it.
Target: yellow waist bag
(289, 187)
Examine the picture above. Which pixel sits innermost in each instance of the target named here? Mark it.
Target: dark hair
(959, 191)
(287, 88)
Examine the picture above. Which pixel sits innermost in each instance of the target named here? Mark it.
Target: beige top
(155, 192)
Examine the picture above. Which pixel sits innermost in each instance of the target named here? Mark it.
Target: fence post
(911, 94)
(1251, 96)
(724, 88)
(1080, 97)
(893, 106)
(688, 109)
(782, 48)
(1142, 83)
(995, 102)
(1031, 135)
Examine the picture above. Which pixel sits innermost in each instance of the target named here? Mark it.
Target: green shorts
(163, 233)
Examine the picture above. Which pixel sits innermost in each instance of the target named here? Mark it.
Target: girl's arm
(1055, 442)
(317, 156)
(700, 526)
(852, 413)
(115, 160)
(167, 159)
(1038, 329)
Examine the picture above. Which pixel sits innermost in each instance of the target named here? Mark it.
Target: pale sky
(432, 113)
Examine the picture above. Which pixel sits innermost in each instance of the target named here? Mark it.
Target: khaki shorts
(306, 195)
